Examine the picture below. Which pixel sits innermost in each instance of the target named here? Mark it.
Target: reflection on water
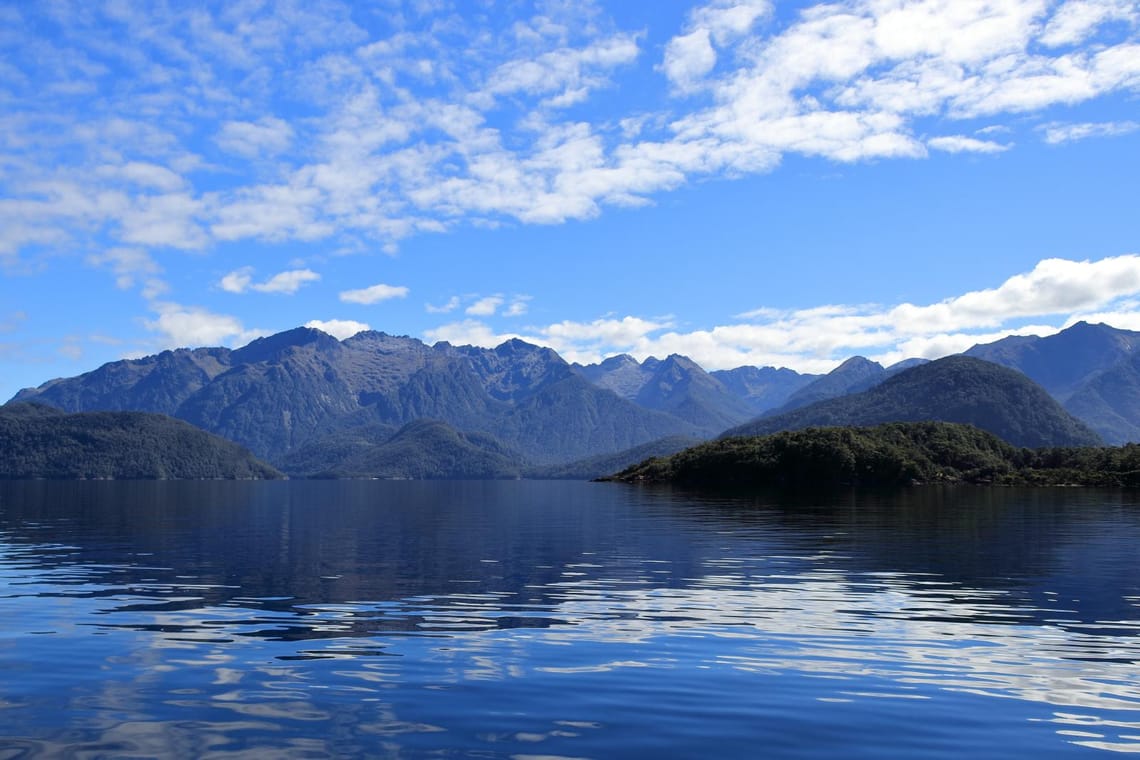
(524, 619)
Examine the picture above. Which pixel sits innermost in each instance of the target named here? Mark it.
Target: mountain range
(381, 405)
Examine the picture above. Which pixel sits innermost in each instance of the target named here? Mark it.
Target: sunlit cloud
(286, 283)
(338, 328)
(445, 123)
(1054, 294)
(374, 294)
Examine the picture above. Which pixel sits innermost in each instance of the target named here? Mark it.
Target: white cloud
(689, 57)
(132, 266)
(517, 307)
(374, 294)
(237, 281)
(1055, 134)
(1075, 20)
(484, 307)
(268, 136)
(180, 326)
(451, 305)
(962, 144)
(1054, 294)
(338, 328)
(453, 121)
(287, 283)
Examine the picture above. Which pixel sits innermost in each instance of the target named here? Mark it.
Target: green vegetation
(897, 453)
(955, 389)
(41, 442)
(424, 449)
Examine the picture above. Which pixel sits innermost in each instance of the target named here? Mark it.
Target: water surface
(548, 619)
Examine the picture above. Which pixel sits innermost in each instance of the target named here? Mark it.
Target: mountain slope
(762, 388)
(42, 442)
(429, 449)
(1063, 362)
(1110, 401)
(854, 375)
(676, 385)
(954, 389)
(280, 392)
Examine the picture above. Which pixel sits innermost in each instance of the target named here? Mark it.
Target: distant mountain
(1090, 368)
(1063, 362)
(676, 385)
(1110, 401)
(891, 454)
(954, 389)
(43, 442)
(854, 375)
(596, 467)
(762, 388)
(281, 392)
(424, 449)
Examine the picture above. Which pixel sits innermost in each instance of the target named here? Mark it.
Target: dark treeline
(888, 454)
(41, 442)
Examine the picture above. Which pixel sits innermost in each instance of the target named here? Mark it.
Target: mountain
(854, 375)
(954, 389)
(1063, 362)
(676, 385)
(280, 392)
(596, 467)
(424, 449)
(891, 454)
(762, 388)
(1110, 401)
(42, 442)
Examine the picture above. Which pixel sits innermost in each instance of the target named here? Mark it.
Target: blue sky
(740, 181)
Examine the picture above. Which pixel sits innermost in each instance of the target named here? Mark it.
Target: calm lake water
(558, 620)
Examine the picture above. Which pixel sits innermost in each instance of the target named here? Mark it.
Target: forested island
(897, 453)
(41, 442)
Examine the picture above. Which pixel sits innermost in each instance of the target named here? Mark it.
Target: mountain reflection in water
(564, 619)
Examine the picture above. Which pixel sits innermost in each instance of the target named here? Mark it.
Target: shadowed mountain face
(1093, 370)
(43, 442)
(280, 392)
(955, 389)
(762, 388)
(1064, 362)
(676, 385)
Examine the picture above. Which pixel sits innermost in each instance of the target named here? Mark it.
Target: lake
(565, 620)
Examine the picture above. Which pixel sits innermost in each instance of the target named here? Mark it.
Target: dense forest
(887, 454)
(41, 442)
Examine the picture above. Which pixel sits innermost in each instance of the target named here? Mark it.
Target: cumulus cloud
(286, 283)
(237, 281)
(1054, 294)
(338, 328)
(374, 294)
(178, 326)
(485, 307)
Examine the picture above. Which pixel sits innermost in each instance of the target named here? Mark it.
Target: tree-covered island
(896, 453)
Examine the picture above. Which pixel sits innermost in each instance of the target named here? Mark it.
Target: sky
(745, 182)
